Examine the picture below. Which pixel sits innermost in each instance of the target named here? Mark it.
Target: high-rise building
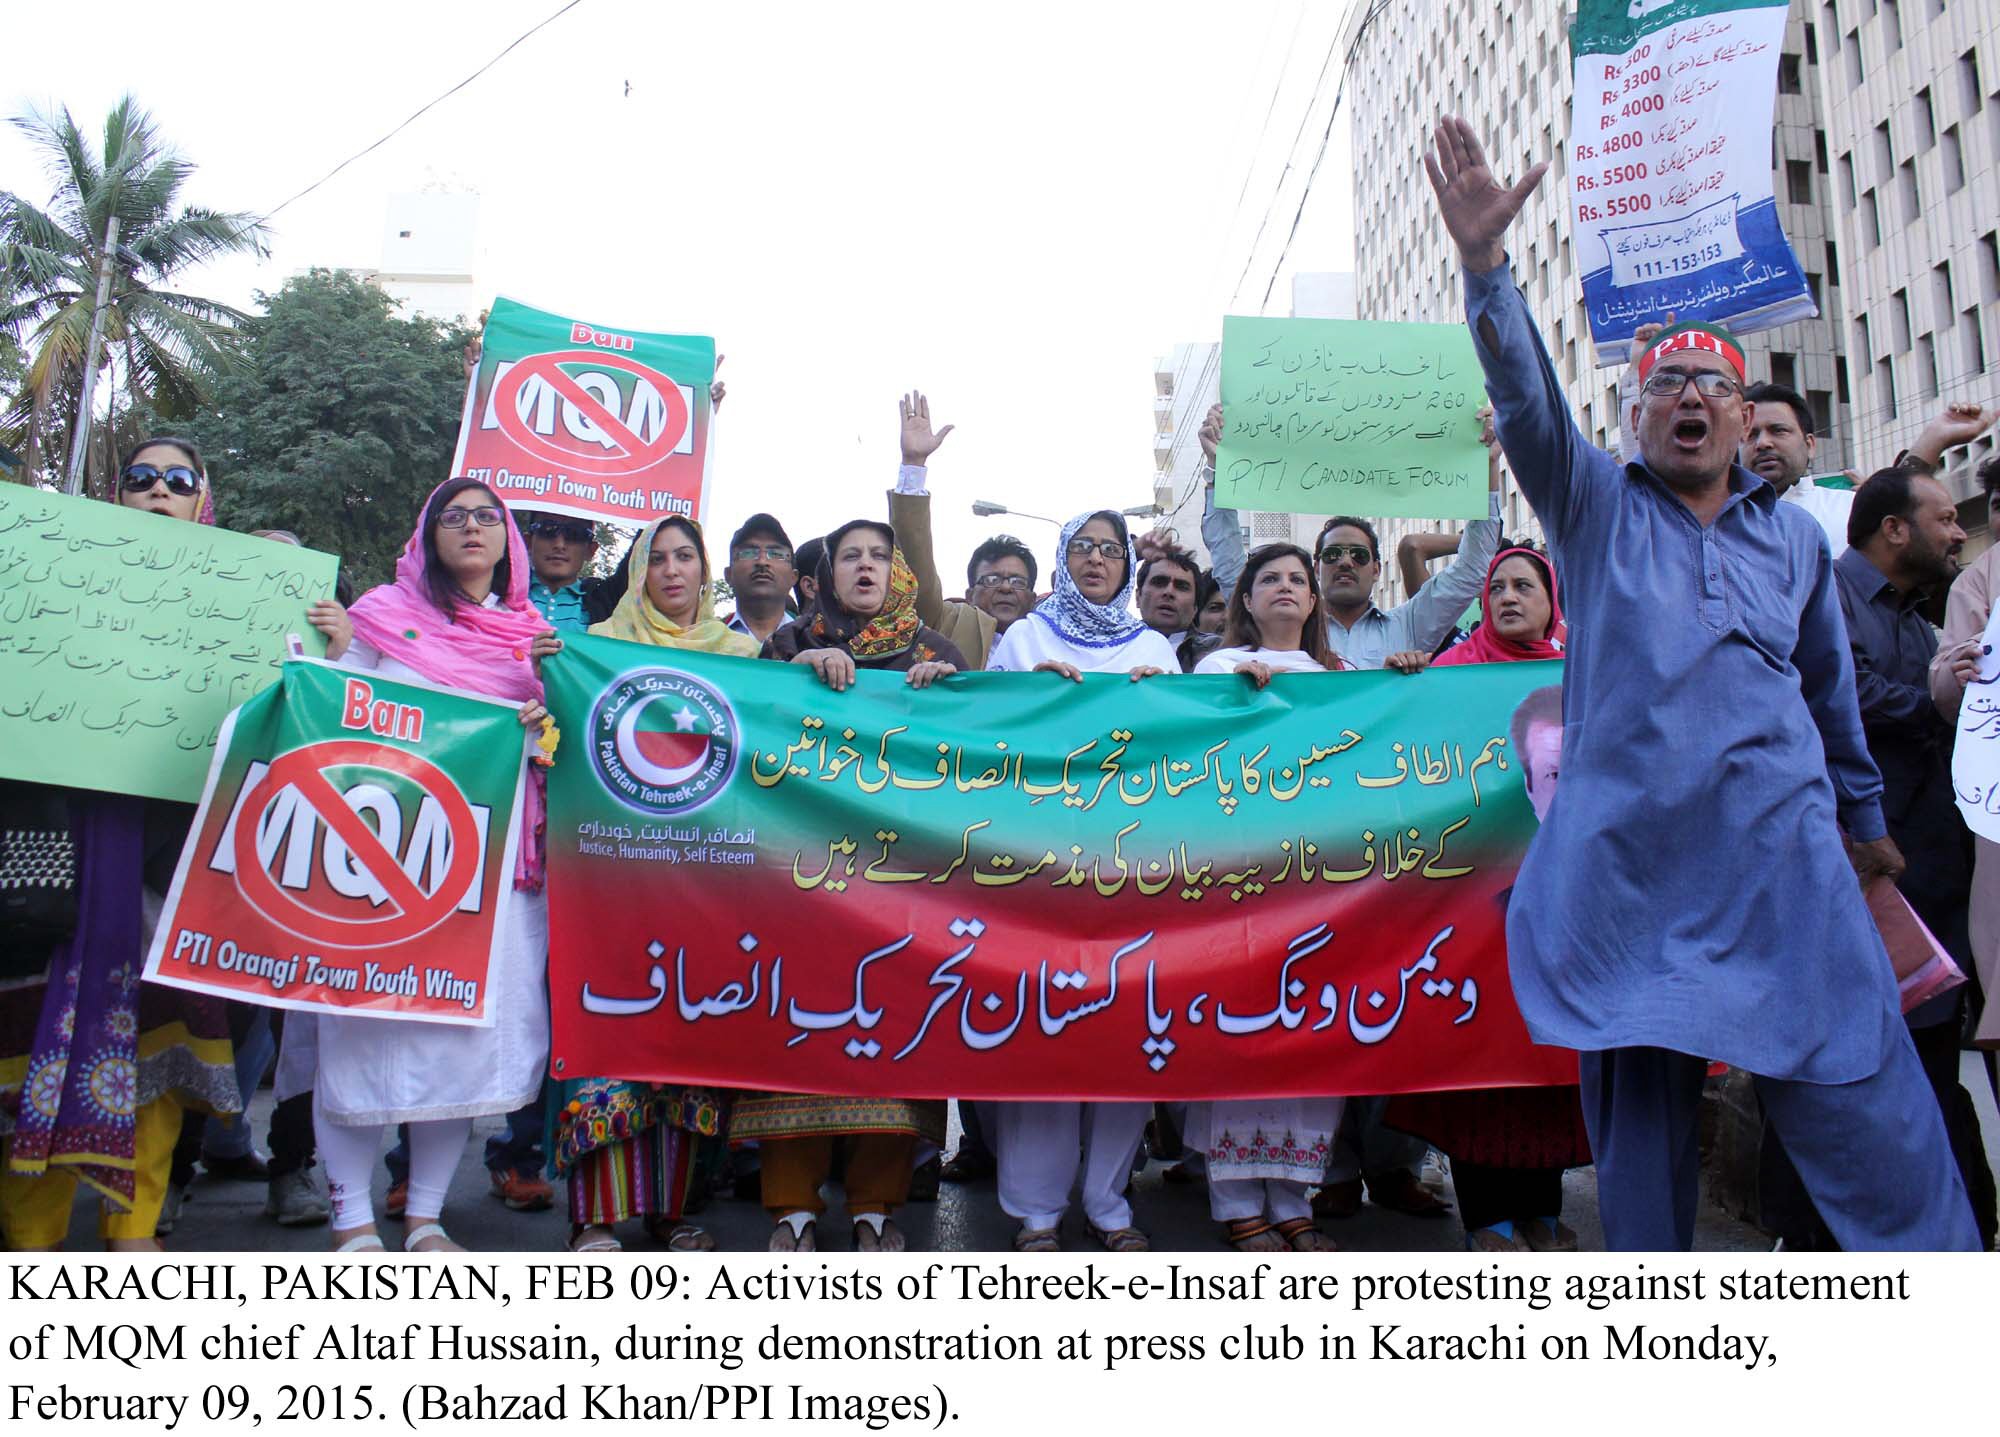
(1912, 122)
(1507, 69)
(428, 247)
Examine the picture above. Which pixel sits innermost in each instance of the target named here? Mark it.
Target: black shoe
(968, 1167)
(250, 1168)
(924, 1181)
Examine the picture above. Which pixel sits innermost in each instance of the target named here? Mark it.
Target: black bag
(38, 876)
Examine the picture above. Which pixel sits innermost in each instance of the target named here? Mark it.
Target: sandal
(424, 1232)
(680, 1236)
(1301, 1235)
(1252, 1234)
(783, 1239)
(363, 1242)
(1038, 1239)
(595, 1239)
(888, 1239)
(1119, 1239)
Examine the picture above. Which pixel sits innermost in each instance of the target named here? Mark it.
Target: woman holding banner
(630, 1149)
(96, 1067)
(1508, 1146)
(863, 616)
(457, 616)
(1085, 626)
(1263, 1155)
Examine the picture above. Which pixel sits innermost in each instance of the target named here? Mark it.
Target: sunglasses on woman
(486, 515)
(138, 478)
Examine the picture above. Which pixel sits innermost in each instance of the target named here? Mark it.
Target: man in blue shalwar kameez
(1690, 895)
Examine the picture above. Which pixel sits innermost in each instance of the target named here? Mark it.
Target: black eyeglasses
(1672, 383)
(138, 478)
(1084, 548)
(486, 515)
(1001, 581)
(1357, 554)
(574, 530)
(776, 553)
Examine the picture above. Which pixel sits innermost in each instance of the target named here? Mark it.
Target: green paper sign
(1339, 416)
(126, 638)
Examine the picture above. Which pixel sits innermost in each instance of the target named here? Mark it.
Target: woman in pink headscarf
(457, 616)
(1508, 1146)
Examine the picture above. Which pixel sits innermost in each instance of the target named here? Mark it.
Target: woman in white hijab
(1085, 626)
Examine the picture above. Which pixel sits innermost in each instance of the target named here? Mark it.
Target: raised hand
(919, 440)
(1957, 423)
(1475, 208)
(1211, 432)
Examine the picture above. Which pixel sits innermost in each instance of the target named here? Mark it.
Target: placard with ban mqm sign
(573, 418)
(351, 852)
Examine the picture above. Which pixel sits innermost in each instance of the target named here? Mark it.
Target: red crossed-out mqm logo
(417, 912)
(630, 454)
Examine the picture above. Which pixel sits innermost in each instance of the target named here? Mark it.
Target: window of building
(1812, 288)
(1886, 387)
(1871, 221)
(1926, 117)
(1798, 181)
(1989, 266)
(1899, 320)
(1784, 369)
(1885, 155)
(1789, 80)
(1819, 150)
(1840, 381)
(1892, 27)
(1968, 79)
(1927, 377)
(1852, 49)
(1973, 343)
(1847, 191)
(1941, 302)
(1821, 404)
(1832, 265)
(1953, 162)
(1937, 8)
(1906, 186)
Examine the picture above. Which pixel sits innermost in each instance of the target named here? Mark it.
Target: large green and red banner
(1012, 885)
(353, 845)
(571, 418)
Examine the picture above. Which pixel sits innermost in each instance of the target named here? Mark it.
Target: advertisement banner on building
(1671, 186)
(569, 418)
(1010, 885)
(351, 852)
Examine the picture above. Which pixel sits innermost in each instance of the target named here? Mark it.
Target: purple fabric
(78, 1101)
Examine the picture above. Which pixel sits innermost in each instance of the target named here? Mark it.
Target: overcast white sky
(1014, 209)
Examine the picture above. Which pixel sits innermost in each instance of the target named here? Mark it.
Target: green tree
(340, 425)
(169, 347)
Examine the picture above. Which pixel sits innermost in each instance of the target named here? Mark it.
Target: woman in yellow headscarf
(630, 1149)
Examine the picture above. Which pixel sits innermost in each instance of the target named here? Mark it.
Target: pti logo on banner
(350, 851)
(604, 424)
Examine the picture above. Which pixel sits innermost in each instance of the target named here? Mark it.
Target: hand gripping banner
(1011, 885)
(351, 850)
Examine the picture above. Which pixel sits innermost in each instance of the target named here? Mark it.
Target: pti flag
(571, 418)
(1003, 886)
(352, 850)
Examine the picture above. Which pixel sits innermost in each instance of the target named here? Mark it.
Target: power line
(511, 47)
(1346, 69)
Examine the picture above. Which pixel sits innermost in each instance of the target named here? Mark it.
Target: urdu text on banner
(1015, 885)
(1671, 197)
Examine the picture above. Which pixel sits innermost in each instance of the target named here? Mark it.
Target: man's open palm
(1474, 206)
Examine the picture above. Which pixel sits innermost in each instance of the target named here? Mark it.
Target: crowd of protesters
(1756, 645)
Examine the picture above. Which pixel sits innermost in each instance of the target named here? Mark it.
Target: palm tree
(171, 345)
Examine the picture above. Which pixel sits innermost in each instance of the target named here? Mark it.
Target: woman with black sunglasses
(96, 1067)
